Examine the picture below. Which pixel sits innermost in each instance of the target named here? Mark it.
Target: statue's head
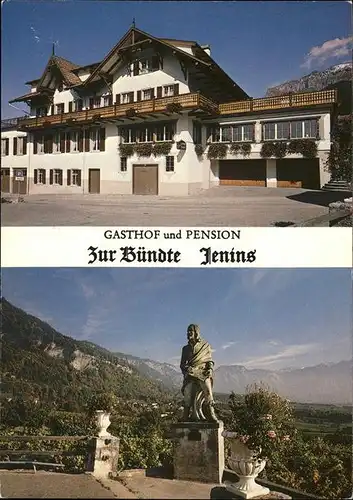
(193, 333)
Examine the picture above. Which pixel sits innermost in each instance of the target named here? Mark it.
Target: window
(59, 109)
(78, 105)
(56, 176)
(107, 100)
(169, 164)
(96, 102)
(237, 133)
(123, 164)
(283, 130)
(127, 98)
(213, 133)
(226, 134)
(43, 111)
(19, 145)
(168, 90)
(128, 135)
(73, 177)
(197, 133)
(144, 134)
(39, 176)
(311, 129)
(74, 141)
(94, 136)
(296, 130)
(38, 144)
(147, 95)
(269, 131)
(248, 132)
(5, 147)
(164, 132)
(145, 65)
(56, 143)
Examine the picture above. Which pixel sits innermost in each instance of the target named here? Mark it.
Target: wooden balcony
(307, 99)
(151, 108)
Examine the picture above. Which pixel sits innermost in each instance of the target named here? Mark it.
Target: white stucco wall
(11, 160)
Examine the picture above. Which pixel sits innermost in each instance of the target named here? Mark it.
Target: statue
(197, 367)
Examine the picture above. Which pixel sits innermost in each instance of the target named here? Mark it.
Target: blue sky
(259, 44)
(258, 318)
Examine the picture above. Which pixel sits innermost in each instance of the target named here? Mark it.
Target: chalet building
(159, 116)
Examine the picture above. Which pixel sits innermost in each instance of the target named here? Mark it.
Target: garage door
(145, 179)
(300, 173)
(242, 172)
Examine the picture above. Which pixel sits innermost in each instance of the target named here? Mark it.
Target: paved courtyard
(219, 206)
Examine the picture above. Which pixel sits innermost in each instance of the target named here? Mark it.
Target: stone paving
(219, 206)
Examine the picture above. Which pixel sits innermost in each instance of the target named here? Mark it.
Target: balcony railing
(280, 102)
(116, 111)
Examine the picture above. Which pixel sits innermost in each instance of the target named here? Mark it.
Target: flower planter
(246, 466)
(103, 422)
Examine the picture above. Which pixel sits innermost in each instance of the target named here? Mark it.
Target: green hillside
(39, 362)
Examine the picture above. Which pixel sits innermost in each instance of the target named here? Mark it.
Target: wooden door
(5, 180)
(242, 173)
(19, 187)
(145, 179)
(94, 180)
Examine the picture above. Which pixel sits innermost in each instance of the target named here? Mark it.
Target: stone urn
(246, 466)
(103, 422)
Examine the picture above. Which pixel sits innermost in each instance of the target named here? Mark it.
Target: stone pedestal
(199, 451)
(104, 459)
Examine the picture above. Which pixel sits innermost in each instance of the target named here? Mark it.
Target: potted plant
(217, 150)
(126, 150)
(162, 148)
(143, 149)
(261, 426)
(100, 406)
(199, 149)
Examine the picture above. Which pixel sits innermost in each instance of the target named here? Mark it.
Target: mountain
(39, 361)
(324, 383)
(337, 77)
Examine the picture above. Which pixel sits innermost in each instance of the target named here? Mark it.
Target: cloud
(273, 342)
(331, 49)
(227, 345)
(289, 352)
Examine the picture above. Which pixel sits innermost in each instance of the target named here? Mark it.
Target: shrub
(217, 150)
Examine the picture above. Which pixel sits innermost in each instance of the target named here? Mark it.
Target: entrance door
(5, 180)
(19, 187)
(145, 179)
(94, 180)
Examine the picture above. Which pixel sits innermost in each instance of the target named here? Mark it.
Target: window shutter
(35, 145)
(80, 141)
(87, 140)
(102, 139)
(44, 176)
(117, 98)
(70, 107)
(69, 177)
(131, 97)
(53, 109)
(152, 93)
(51, 176)
(138, 95)
(176, 89)
(25, 145)
(7, 144)
(136, 68)
(61, 177)
(50, 144)
(15, 146)
(110, 100)
(79, 105)
(35, 176)
(159, 92)
(155, 63)
(91, 101)
(45, 144)
(62, 142)
(68, 143)
(79, 178)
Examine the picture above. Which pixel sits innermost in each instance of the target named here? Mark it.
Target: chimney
(207, 49)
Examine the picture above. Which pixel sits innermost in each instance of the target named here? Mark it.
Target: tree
(339, 162)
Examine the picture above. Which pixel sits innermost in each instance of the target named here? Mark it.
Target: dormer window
(43, 111)
(95, 102)
(147, 94)
(168, 90)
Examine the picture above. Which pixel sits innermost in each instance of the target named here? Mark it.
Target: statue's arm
(183, 361)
